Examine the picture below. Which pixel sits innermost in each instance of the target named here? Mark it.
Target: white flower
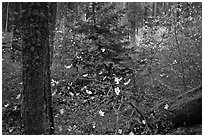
(120, 131)
(53, 93)
(60, 128)
(83, 88)
(166, 106)
(77, 94)
(69, 128)
(15, 107)
(104, 78)
(6, 105)
(85, 75)
(126, 83)
(18, 96)
(53, 82)
(131, 133)
(11, 129)
(88, 92)
(101, 113)
(117, 90)
(103, 49)
(175, 62)
(74, 126)
(62, 111)
(143, 121)
(78, 57)
(70, 93)
(100, 73)
(68, 67)
(94, 125)
(162, 75)
(117, 80)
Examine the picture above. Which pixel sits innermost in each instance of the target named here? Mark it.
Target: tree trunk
(49, 54)
(35, 54)
(93, 10)
(7, 17)
(81, 14)
(4, 16)
(155, 9)
(53, 14)
(16, 32)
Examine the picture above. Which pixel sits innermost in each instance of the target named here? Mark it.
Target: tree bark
(52, 22)
(16, 32)
(49, 55)
(35, 54)
(4, 16)
(155, 9)
(7, 17)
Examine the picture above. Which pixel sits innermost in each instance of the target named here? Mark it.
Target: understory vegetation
(104, 81)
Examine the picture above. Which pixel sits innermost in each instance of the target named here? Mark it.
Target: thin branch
(180, 55)
(117, 115)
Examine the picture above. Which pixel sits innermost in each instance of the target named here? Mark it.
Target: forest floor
(193, 130)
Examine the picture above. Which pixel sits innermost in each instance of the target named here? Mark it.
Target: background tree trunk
(48, 62)
(4, 15)
(155, 9)
(16, 32)
(53, 14)
(35, 53)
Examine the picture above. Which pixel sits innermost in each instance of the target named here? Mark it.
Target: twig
(90, 79)
(117, 114)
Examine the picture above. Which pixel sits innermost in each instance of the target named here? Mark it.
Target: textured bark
(49, 54)
(35, 40)
(53, 14)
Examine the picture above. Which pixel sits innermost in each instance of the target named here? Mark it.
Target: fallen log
(184, 110)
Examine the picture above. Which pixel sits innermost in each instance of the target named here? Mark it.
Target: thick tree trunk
(35, 53)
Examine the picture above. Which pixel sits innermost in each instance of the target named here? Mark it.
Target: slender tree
(16, 28)
(36, 59)
(7, 16)
(155, 9)
(4, 16)
(49, 54)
